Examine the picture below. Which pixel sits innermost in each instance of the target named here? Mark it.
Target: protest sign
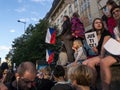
(112, 46)
(91, 39)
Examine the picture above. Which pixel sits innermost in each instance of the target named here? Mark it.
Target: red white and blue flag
(51, 36)
(49, 56)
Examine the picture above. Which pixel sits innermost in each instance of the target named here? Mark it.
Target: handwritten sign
(91, 39)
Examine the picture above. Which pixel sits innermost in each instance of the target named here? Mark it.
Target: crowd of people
(106, 27)
(26, 77)
(75, 71)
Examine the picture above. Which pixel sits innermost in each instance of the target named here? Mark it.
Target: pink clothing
(77, 28)
(111, 23)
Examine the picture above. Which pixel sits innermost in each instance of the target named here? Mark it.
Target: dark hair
(113, 8)
(67, 17)
(4, 66)
(75, 14)
(111, 2)
(26, 66)
(94, 29)
(59, 71)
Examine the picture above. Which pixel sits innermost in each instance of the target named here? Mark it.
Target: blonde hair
(82, 74)
(78, 43)
(47, 72)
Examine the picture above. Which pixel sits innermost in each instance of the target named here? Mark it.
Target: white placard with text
(91, 39)
(112, 46)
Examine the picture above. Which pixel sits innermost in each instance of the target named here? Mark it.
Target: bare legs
(105, 71)
(92, 62)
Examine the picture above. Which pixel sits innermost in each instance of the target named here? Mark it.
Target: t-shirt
(117, 33)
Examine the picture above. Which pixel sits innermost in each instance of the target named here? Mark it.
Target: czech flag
(49, 56)
(51, 36)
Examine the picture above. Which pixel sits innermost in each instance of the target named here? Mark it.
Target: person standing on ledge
(67, 38)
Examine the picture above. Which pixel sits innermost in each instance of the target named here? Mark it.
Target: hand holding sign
(91, 39)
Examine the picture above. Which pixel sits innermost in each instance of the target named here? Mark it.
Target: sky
(29, 11)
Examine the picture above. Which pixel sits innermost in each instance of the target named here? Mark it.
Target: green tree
(31, 45)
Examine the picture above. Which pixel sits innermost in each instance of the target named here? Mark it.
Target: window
(70, 9)
(65, 12)
(61, 19)
(58, 22)
(76, 3)
(81, 7)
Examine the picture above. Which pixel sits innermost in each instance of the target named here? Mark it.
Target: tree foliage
(31, 45)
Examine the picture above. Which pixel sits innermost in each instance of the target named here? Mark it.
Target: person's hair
(4, 66)
(59, 71)
(75, 14)
(111, 2)
(47, 72)
(113, 8)
(26, 67)
(93, 24)
(118, 21)
(82, 74)
(67, 18)
(78, 43)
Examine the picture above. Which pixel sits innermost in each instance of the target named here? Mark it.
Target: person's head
(58, 72)
(66, 18)
(98, 25)
(109, 5)
(76, 14)
(26, 73)
(47, 72)
(115, 11)
(4, 66)
(80, 75)
(77, 44)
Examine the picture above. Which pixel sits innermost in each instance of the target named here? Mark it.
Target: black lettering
(91, 36)
(91, 40)
(91, 45)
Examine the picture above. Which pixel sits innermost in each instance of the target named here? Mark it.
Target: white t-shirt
(117, 33)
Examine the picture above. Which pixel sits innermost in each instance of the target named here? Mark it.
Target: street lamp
(23, 23)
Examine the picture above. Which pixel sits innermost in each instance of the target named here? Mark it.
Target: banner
(50, 36)
(91, 39)
(49, 56)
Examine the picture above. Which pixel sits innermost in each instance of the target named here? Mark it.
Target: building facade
(87, 9)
